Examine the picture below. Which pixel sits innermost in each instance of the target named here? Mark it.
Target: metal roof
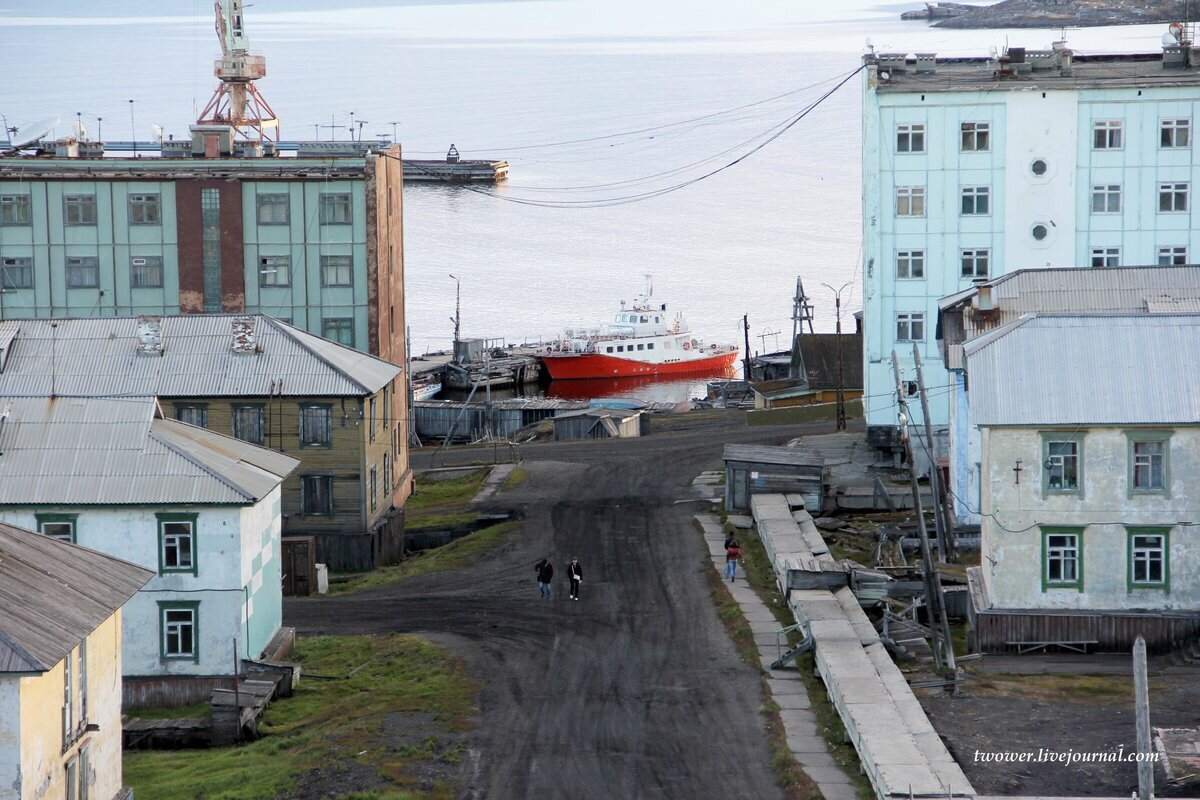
(1096, 369)
(114, 451)
(100, 357)
(763, 454)
(53, 594)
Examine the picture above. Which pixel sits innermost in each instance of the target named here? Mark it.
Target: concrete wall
(1014, 515)
(10, 737)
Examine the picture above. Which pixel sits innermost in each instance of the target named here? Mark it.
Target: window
(1172, 255)
(387, 408)
(68, 708)
(178, 623)
(1106, 256)
(79, 209)
(337, 270)
(620, 348)
(1062, 558)
(144, 209)
(373, 488)
(1149, 566)
(274, 271)
(910, 327)
(910, 264)
(387, 474)
(1175, 133)
(335, 209)
(316, 494)
(192, 413)
(16, 273)
(83, 689)
(1039, 167)
(1149, 462)
(85, 757)
(976, 137)
(1039, 231)
(650, 346)
(72, 777)
(975, 200)
(1106, 198)
(641, 347)
(910, 201)
(1061, 463)
(371, 420)
(176, 543)
(57, 526)
(273, 209)
(83, 272)
(1173, 197)
(975, 262)
(146, 272)
(608, 349)
(316, 426)
(910, 138)
(339, 329)
(15, 209)
(1106, 134)
(248, 423)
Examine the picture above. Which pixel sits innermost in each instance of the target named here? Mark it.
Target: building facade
(200, 510)
(975, 167)
(60, 668)
(317, 242)
(341, 412)
(1090, 447)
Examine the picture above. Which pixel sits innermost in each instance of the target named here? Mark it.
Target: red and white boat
(642, 339)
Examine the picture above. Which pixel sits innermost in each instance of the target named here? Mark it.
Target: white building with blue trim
(976, 167)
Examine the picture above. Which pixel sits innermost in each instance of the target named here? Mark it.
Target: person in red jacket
(733, 554)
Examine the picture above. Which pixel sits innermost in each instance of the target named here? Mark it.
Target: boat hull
(578, 366)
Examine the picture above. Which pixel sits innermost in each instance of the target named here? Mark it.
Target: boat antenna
(649, 285)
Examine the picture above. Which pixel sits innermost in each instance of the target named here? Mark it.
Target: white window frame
(910, 201)
(978, 135)
(1174, 133)
(1108, 134)
(910, 137)
(1106, 257)
(1103, 197)
(908, 325)
(175, 628)
(1177, 197)
(178, 537)
(974, 198)
(79, 210)
(1066, 554)
(910, 264)
(1170, 255)
(1142, 555)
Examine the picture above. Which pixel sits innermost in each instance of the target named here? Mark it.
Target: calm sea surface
(526, 81)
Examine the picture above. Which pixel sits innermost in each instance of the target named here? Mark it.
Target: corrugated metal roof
(99, 357)
(53, 594)
(1166, 304)
(763, 454)
(1109, 369)
(113, 451)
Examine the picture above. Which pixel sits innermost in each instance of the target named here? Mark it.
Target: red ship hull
(576, 366)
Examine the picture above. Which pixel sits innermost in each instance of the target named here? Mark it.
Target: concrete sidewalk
(786, 687)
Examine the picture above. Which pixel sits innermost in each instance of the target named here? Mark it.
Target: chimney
(243, 335)
(149, 335)
(983, 295)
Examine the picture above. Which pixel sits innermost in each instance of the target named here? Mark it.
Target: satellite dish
(27, 135)
(81, 131)
(158, 133)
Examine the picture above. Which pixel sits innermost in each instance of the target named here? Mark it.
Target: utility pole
(746, 331)
(941, 520)
(457, 298)
(933, 581)
(841, 385)
(1141, 702)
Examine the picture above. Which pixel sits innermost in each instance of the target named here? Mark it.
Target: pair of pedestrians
(545, 577)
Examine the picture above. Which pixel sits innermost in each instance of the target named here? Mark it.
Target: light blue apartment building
(975, 167)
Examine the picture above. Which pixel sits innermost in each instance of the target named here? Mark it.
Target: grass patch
(456, 555)
(515, 478)
(1077, 688)
(182, 712)
(438, 519)
(331, 723)
(430, 493)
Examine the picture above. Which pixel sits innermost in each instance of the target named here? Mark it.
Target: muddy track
(634, 691)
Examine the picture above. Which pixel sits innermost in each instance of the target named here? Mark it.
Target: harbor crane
(236, 102)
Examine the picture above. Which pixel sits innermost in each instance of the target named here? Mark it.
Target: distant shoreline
(1051, 14)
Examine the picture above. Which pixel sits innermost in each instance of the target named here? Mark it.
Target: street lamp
(841, 385)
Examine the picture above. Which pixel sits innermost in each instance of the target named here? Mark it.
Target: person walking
(545, 574)
(733, 554)
(575, 575)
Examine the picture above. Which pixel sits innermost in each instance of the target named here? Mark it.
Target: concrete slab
(792, 702)
(827, 774)
(839, 791)
(817, 761)
(740, 521)
(780, 687)
(799, 742)
(797, 718)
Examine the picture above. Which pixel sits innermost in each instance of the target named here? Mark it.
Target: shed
(602, 423)
(756, 469)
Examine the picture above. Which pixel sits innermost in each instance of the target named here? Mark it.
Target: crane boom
(237, 102)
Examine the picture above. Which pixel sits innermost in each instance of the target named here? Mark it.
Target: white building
(200, 509)
(1090, 449)
(60, 668)
(975, 167)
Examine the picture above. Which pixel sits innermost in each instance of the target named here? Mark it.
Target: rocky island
(1054, 13)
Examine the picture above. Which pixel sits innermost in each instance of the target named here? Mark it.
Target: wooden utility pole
(746, 331)
(943, 646)
(941, 515)
(1141, 700)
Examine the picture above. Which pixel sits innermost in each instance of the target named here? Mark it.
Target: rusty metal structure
(237, 102)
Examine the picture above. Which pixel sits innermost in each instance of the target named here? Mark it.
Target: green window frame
(1143, 463)
(1140, 555)
(1057, 467)
(248, 422)
(55, 520)
(316, 425)
(1062, 559)
(192, 413)
(177, 544)
(178, 630)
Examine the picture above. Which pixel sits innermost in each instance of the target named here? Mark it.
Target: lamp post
(455, 318)
(841, 383)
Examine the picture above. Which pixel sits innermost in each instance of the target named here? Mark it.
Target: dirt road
(634, 691)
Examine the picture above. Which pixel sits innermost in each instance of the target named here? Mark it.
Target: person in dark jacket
(545, 574)
(575, 575)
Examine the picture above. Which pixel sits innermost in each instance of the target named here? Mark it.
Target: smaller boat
(642, 339)
(426, 386)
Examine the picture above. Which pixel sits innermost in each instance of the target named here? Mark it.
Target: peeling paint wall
(10, 738)
(1015, 513)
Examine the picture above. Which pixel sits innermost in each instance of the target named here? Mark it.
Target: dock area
(481, 363)
(442, 171)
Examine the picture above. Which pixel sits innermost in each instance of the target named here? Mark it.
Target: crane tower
(236, 102)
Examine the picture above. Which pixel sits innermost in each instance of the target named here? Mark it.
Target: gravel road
(634, 691)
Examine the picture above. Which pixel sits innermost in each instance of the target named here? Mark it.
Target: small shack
(756, 469)
(602, 423)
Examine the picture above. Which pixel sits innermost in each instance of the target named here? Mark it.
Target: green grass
(431, 493)
(438, 519)
(182, 712)
(515, 478)
(455, 555)
(330, 723)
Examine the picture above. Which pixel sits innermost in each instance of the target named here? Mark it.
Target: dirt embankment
(1050, 14)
